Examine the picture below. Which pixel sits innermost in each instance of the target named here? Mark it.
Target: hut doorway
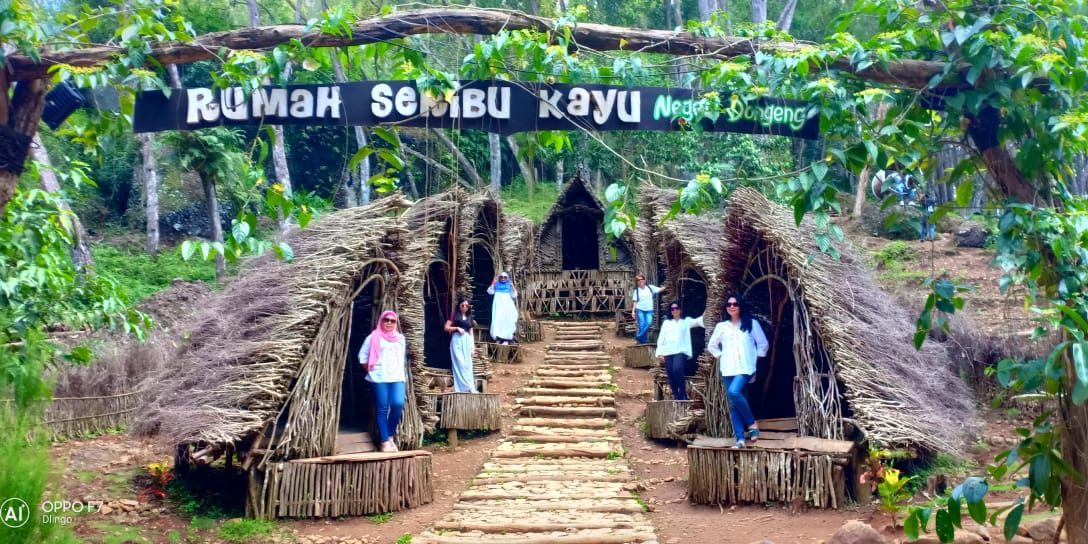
(436, 309)
(770, 302)
(579, 233)
(356, 406)
(693, 298)
(481, 271)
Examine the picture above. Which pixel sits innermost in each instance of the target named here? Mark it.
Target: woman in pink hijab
(384, 354)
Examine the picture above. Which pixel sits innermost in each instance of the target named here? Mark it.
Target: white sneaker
(388, 446)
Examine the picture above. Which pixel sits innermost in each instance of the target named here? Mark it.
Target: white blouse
(391, 361)
(675, 336)
(737, 350)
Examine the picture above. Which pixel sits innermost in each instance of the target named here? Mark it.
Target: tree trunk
(527, 172)
(1074, 429)
(704, 10)
(785, 19)
(279, 154)
(559, 173)
(363, 175)
(212, 205)
(914, 74)
(496, 161)
(678, 13)
(983, 129)
(863, 186)
(759, 12)
(668, 14)
(150, 176)
(80, 251)
(17, 134)
(466, 166)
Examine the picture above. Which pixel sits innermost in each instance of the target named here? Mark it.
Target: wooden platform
(500, 353)
(780, 467)
(353, 442)
(353, 484)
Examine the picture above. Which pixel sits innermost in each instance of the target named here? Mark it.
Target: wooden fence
(75, 417)
(575, 291)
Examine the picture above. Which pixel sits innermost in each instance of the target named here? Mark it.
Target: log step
(566, 401)
(545, 517)
(585, 536)
(592, 465)
(572, 384)
(578, 411)
(578, 449)
(560, 439)
(522, 430)
(569, 423)
(551, 392)
(629, 506)
(485, 526)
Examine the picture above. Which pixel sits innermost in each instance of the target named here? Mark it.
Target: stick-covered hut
(577, 267)
(841, 348)
(270, 372)
(841, 370)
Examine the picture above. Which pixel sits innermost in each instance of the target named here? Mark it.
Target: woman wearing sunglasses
(459, 326)
(385, 355)
(736, 343)
(674, 348)
(504, 313)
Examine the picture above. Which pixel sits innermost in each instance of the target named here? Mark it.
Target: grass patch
(113, 533)
(381, 518)
(86, 476)
(406, 538)
(173, 536)
(894, 254)
(642, 502)
(201, 524)
(142, 275)
(437, 438)
(534, 203)
(955, 468)
(246, 530)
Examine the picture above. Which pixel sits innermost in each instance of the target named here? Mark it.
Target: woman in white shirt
(737, 342)
(674, 348)
(643, 310)
(384, 353)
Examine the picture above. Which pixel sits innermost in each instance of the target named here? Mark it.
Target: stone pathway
(559, 475)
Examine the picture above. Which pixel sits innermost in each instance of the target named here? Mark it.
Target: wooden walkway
(560, 475)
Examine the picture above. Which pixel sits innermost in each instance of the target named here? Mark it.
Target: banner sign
(504, 107)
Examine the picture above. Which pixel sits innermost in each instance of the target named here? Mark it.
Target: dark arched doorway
(436, 309)
(579, 232)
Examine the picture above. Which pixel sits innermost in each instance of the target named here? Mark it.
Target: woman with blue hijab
(504, 313)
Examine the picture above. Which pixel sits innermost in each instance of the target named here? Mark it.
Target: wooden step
(558, 411)
(550, 391)
(568, 423)
(566, 401)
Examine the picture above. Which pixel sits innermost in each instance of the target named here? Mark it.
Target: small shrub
(381, 518)
(246, 530)
(406, 538)
(892, 255)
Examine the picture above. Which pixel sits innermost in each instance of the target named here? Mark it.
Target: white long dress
(504, 314)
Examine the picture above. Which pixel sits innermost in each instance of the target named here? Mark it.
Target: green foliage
(140, 275)
(246, 530)
(24, 470)
(379, 519)
(534, 203)
(894, 254)
(406, 538)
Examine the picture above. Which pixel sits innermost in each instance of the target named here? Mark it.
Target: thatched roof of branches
(253, 345)
(897, 395)
(699, 239)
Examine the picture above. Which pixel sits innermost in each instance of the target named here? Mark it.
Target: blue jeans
(389, 402)
(645, 319)
(740, 414)
(676, 370)
(930, 226)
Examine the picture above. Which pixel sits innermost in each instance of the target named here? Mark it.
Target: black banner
(504, 107)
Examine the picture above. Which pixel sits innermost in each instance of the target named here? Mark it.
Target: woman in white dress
(736, 343)
(459, 326)
(504, 312)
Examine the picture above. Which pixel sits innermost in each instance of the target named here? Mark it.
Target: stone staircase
(560, 475)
